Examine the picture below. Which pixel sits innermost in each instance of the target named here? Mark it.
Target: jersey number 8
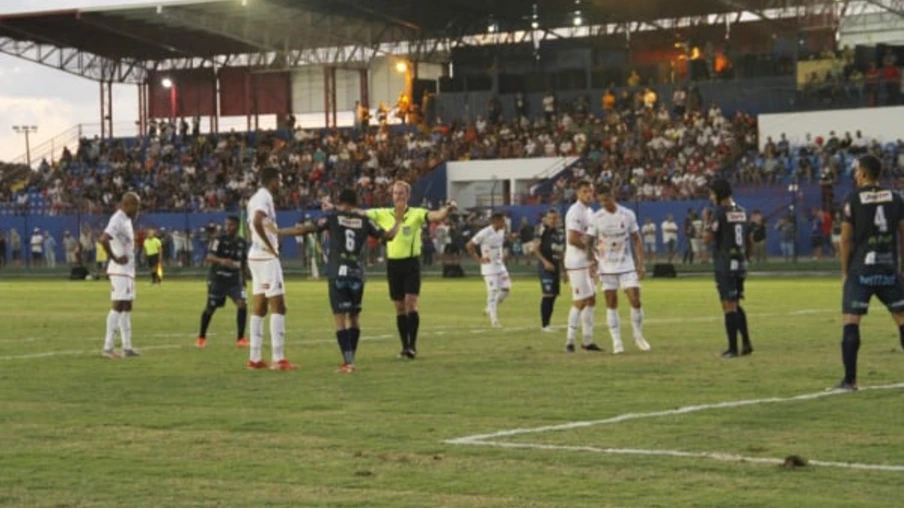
(350, 240)
(739, 235)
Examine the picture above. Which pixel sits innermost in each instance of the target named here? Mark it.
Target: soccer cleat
(411, 353)
(642, 344)
(729, 354)
(569, 348)
(201, 343)
(283, 365)
(111, 354)
(252, 365)
(618, 348)
(241, 343)
(591, 347)
(547, 329)
(130, 353)
(346, 368)
(747, 350)
(844, 386)
(495, 324)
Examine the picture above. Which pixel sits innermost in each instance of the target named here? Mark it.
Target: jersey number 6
(350, 240)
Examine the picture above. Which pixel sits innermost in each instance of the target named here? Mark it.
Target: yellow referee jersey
(407, 243)
(152, 246)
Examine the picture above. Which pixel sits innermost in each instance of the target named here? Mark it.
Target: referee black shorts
(404, 276)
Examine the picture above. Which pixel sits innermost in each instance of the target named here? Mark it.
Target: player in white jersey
(118, 241)
(491, 240)
(579, 269)
(268, 287)
(614, 232)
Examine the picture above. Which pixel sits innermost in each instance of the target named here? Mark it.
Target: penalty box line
(494, 439)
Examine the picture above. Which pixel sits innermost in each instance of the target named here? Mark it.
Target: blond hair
(402, 184)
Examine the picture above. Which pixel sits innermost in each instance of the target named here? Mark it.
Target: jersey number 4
(880, 221)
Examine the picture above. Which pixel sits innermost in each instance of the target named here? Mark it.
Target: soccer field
(187, 427)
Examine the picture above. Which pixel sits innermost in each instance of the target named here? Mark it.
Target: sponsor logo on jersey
(870, 197)
(736, 216)
(350, 222)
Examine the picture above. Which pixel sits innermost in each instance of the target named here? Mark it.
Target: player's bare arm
(105, 242)
(472, 251)
(390, 234)
(226, 262)
(443, 213)
(847, 234)
(576, 239)
(748, 247)
(637, 240)
(258, 224)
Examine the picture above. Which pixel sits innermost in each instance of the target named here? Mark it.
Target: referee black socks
(354, 335)
(402, 324)
(414, 321)
(546, 307)
(742, 326)
(731, 329)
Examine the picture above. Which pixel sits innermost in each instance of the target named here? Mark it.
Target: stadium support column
(329, 96)
(365, 89)
(248, 100)
(103, 108)
(142, 111)
(333, 106)
(110, 109)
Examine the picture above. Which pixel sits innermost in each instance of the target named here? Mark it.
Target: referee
(403, 267)
(152, 247)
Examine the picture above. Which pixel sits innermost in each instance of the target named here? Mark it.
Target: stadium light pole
(27, 130)
(793, 189)
(171, 86)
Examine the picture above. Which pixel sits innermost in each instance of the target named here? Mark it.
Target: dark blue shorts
(550, 282)
(218, 292)
(859, 290)
(346, 294)
(730, 286)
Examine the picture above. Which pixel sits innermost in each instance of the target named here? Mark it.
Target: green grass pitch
(187, 427)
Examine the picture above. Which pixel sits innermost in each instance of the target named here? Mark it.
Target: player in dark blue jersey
(348, 233)
(228, 258)
(871, 241)
(549, 248)
(727, 230)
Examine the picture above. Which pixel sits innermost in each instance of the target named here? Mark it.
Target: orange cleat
(111, 355)
(256, 365)
(201, 342)
(283, 365)
(346, 368)
(241, 343)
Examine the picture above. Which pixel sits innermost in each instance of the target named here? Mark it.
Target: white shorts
(582, 286)
(528, 249)
(123, 288)
(621, 280)
(267, 278)
(498, 281)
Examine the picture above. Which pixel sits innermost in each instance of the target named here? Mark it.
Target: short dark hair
(581, 184)
(234, 218)
(721, 188)
(348, 197)
(871, 166)
(603, 189)
(497, 216)
(268, 175)
(552, 211)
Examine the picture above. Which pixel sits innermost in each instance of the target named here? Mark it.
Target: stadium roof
(122, 44)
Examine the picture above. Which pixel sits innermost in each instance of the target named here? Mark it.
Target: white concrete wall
(882, 124)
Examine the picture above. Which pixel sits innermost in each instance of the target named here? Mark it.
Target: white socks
(574, 317)
(501, 296)
(587, 322)
(257, 337)
(614, 322)
(491, 304)
(315, 270)
(125, 329)
(112, 326)
(277, 336)
(637, 322)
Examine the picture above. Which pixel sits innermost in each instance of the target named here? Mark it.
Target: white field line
(476, 439)
(440, 330)
(727, 457)
(492, 438)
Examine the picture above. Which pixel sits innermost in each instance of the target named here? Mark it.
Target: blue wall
(773, 202)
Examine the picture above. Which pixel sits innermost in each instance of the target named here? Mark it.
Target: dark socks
(731, 328)
(205, 322)
(546, 307)
(414, 321)
(354, 335)
(402, 324)
(850, 345)
(241, 317)
(742, 327)
(342, 337)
